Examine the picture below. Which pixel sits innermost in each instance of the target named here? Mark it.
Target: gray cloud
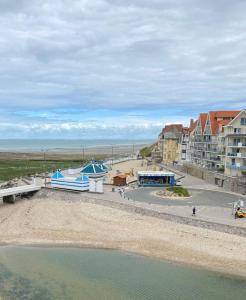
(122, 54)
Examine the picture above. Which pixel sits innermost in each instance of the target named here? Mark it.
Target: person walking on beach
(194, 211)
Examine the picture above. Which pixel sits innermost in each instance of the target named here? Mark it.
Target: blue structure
(80, 183)
(156, 178)
(94, 170)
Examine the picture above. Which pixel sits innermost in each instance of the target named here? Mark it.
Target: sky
(117, 68)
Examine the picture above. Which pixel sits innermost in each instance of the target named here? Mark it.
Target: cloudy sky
(104, 68)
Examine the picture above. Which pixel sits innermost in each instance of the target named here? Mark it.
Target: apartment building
(217, 141)
(197, 147)
(190, 144)
(213, 138)
(172, 144)
(235, 145)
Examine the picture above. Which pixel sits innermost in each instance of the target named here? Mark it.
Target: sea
(26, 145)
(92, 274)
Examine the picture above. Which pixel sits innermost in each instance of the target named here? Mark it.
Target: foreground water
(58, 273)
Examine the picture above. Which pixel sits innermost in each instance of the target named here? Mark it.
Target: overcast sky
(104, 68)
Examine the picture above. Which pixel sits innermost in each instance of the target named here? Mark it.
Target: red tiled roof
(224, 122)
(214, 115)
(203, 118)
(227, 113)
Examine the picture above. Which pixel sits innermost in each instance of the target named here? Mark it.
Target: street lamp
(112, 155)
(44, 159)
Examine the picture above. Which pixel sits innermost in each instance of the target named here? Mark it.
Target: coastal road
(198, 198)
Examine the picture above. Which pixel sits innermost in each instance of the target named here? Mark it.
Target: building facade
(235, 146)
(216, 141)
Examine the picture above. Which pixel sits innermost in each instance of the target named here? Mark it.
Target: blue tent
(103, 167)
(93, 170)
(57, 175)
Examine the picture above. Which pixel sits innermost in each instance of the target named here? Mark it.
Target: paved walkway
(221, 214)
(192, 181)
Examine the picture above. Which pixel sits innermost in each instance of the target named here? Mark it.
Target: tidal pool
(65, 273)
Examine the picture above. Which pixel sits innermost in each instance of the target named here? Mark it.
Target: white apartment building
(235, 142)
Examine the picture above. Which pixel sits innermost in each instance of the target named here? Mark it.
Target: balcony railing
(241, 132)
(232, 154)
(236, 167)
(237, 145)
(239, 155)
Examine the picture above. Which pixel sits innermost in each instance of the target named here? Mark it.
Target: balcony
(237, 132)
(215, 159)
(238, 145)
(212, 150)
(238, 155)
(236, 167)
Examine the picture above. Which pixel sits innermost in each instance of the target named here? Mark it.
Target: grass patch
(146, 151)
(10, 169)
(179, 191)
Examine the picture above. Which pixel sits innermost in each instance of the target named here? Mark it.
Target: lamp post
(112, 155)
(83, 151)
(44, 159)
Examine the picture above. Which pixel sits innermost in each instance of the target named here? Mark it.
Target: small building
(96, 173)
(119, 180)
(156, 178)
(80, 183)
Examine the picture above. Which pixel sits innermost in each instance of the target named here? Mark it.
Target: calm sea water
(36, 144)
(58, 273)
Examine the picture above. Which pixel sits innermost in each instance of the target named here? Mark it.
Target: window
(243, 121)
(237, 130)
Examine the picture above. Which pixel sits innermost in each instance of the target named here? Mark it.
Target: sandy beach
(69, 219)
(43, 221)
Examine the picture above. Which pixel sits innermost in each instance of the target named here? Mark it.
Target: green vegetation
(10, 169)
(179, 191)
(146, 151)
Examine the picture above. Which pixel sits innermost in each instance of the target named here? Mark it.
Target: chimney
(191, 122)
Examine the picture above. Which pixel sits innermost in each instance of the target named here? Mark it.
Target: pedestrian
(194, 211)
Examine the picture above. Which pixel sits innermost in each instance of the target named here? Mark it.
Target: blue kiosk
(156, 178)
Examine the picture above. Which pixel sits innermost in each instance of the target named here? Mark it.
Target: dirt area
(130, 169)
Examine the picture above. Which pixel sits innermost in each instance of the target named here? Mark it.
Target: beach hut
(81, 183)
(96, 173)
(119, 180)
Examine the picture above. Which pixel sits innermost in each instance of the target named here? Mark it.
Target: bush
(145, 152)
(179, 190)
